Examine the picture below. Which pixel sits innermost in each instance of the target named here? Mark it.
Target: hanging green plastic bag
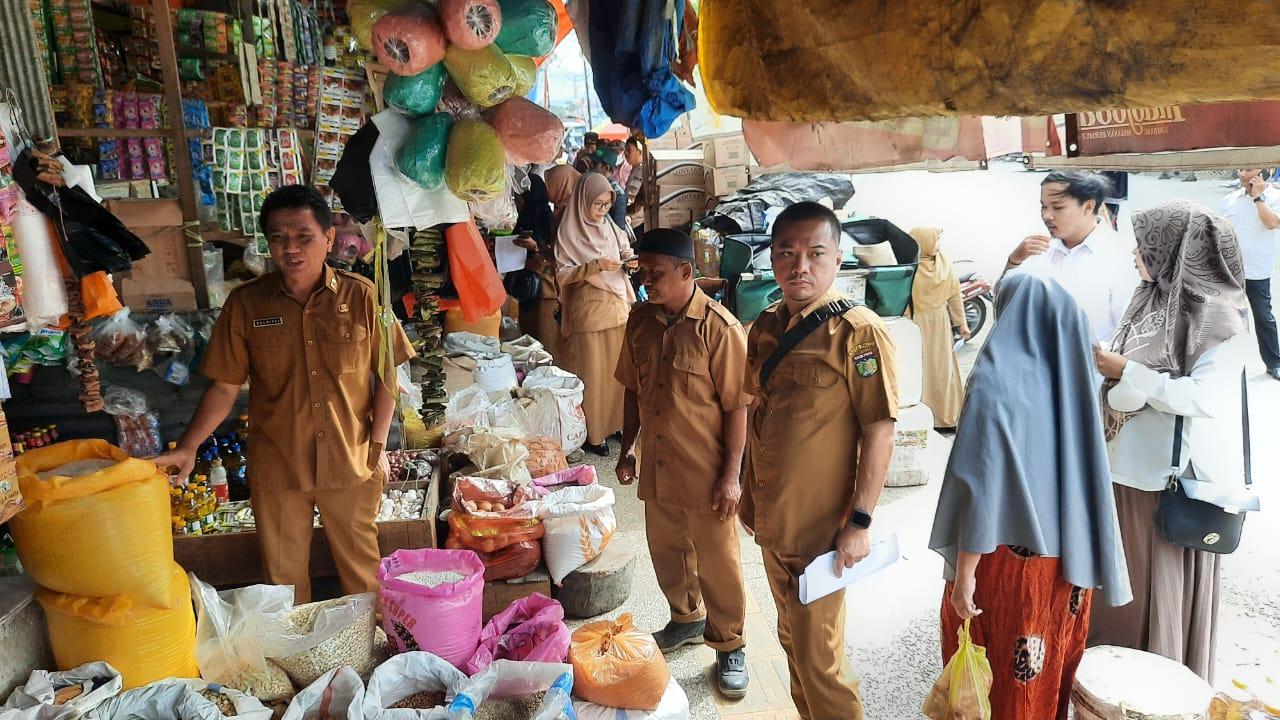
(415, 94)
(528, 27)
(526, 73)
(421, 157)
(963, 690)
(475, 167)
(484, 76)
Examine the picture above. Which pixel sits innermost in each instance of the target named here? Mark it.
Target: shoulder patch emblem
(865, 359)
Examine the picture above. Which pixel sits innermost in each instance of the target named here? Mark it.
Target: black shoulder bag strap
(791, 338)
(1244, 422)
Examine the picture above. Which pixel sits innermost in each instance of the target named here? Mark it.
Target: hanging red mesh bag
(471, 24)
(408, 40)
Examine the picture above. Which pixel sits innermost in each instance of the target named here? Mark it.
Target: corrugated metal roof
(21, 68)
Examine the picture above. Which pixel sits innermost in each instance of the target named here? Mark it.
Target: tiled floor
(768, 695)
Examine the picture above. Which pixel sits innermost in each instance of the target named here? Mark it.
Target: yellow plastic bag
(485, 76)
(475, 165)
(145, 644)
(964, 688)
(98, 535)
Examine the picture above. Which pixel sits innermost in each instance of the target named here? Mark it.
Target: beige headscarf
(579, 240)
(561, 180)
(935, 281)
(1196, 300)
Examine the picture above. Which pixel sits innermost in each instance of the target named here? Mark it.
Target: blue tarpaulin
(632, 49)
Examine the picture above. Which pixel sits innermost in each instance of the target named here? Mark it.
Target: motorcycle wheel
(975, 314)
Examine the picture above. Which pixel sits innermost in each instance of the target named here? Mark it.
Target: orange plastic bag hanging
(617, 666)
(963, 691)
(476, 279)
(99, 296)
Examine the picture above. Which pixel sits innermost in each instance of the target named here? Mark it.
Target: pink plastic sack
(409, 39)
(529, 132)
(433, 600)
(531, 628)
(576, 475)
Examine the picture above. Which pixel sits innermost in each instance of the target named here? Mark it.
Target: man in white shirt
(1080, 252)
(1254, 212)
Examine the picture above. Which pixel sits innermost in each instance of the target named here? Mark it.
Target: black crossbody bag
(791, 338)
(1202, 515)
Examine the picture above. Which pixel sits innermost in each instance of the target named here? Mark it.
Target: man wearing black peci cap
(682, 365)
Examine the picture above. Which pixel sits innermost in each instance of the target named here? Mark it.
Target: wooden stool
(1114, 683)
(600, 586)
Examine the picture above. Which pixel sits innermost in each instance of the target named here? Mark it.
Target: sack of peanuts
(321, 636)
(417, 681)
(433, 600)
(234, 629)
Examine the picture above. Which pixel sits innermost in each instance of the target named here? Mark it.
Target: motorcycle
(979, 301)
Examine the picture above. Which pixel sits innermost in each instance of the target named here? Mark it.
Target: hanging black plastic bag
(92, 239)
(421, 157)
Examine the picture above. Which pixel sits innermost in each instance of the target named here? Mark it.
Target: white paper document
(509, 256)
(819, 579)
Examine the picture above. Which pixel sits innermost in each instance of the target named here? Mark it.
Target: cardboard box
(679, 169)
(499, 594)
(727, 151)
(726, 181)
(153, 294)
(159, 224)
(681, 205)
(678, 138)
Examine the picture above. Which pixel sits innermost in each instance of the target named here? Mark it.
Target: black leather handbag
(523, 286)
(1202, 515)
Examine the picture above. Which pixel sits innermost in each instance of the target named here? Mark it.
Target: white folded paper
(819, 579)
(510, 257)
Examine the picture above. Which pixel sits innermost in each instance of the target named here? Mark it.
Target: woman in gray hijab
(1026, 521)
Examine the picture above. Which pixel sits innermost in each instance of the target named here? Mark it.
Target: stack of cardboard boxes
(690, 173)
(163, 281)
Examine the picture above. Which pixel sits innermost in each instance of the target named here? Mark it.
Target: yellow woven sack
(145, 644)
(98, 535)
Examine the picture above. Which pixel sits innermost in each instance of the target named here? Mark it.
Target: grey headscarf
(1029, 465)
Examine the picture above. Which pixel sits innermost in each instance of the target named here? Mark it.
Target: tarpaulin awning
(838, 60)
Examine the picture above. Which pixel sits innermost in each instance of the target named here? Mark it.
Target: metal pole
(586, 81)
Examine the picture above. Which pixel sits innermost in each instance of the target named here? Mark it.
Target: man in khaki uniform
(308, 339)
(819, 437)
(681, 364)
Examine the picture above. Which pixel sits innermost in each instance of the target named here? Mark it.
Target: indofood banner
(1174, 127)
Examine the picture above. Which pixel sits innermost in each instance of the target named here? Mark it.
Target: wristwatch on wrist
(1258, 199)
(860, 520)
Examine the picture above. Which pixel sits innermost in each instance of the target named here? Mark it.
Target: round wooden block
(1116, 683)
(600, 586)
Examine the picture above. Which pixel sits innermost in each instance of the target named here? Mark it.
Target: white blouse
(1209, 399)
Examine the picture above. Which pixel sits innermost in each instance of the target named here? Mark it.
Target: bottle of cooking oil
(191, 512)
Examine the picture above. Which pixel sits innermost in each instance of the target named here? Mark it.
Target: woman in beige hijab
(539, 319)
(936, 306)
(595, 300)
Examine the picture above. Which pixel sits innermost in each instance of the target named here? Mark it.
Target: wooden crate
(234, 558)
(501, 593)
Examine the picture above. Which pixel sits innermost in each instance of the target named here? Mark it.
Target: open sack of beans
(234, 630)
(412, 686)
(321, 636)
(514, 690)
(335, 695)
(433, 600)
(488, 515)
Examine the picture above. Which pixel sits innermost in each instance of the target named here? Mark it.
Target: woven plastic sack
(528, 27)
(364, 13)
(171, 700)
(144, 643)
(526, 69)
(443, 619)
(475, 166)
(553, 386)
(618, 666)
(529, 132)
(963, 690)
(336, 695)
(246, 706)
(674, 706)
(408, 39)
(415, 94)
(405, 675)
(99, 535)
(470, 24)
(484, 76)
(35, 700)
(531, 628)
(506, 679)
(579, 524)
(421, 156)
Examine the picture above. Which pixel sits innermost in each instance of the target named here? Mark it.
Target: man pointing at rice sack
(308, 339)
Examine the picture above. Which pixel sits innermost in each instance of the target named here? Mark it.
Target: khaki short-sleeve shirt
(312, 374)
(806, 424)
(686, 373)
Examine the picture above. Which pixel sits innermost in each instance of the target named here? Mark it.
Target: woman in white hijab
(595, 300)
(1180, 350)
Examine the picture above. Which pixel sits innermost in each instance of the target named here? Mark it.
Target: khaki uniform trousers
(823, 685)
(696, 557)
(284, 525)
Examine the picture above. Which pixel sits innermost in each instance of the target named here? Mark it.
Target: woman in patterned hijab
(1192, 296)
(1180, 351)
